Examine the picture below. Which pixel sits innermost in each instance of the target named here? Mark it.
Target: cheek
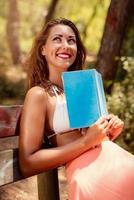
(75, 51)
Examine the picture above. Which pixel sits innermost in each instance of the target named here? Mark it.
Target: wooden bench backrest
(9, 118)
(9, 125)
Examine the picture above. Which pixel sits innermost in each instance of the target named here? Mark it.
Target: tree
(51, 10)
(91, 19)
(13, 31)
(117, 20)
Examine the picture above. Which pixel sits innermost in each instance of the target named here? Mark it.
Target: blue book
(85, 97)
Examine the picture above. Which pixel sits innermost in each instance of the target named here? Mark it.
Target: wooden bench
(48, 188)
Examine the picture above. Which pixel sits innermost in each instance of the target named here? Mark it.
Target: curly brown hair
(36, 62)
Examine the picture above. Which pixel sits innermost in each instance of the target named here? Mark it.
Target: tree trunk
(13, 31)
(114, 31)
(51, 10)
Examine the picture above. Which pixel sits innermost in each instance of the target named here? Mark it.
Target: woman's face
(60, 49)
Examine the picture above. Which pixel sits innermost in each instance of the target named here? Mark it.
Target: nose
(65, 44)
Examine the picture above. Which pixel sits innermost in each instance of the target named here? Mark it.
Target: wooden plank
(48, 188)
(9, 120)
(9, 143)
(9, 167)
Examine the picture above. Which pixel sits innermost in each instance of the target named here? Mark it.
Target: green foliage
(33, 18)
(32, 15)
(121, 102)
(4, 54)
(87, 15)
(3, 8)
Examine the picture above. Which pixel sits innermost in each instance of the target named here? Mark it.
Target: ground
(27, 189)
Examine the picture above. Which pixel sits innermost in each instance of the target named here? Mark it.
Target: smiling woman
(96, 167)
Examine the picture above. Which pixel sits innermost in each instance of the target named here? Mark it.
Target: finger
(113, 120)
(110, 116)
(118, 124)
(104, 124)
(106, 131)
(101, 120)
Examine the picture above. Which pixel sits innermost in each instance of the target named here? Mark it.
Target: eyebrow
(60, 35)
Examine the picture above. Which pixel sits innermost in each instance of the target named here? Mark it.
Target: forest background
(107, 30)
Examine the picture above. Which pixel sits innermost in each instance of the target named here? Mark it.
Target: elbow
(25, 171)
(26, 167)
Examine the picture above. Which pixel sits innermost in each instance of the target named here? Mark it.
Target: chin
(64, 67)
(67, 65)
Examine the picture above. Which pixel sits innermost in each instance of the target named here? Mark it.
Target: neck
(56, 79)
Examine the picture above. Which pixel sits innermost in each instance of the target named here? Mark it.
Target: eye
(72, 41)
(57, 39)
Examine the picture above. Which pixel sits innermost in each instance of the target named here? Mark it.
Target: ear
(43, 50)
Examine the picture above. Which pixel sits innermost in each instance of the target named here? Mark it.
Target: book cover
(85, 97)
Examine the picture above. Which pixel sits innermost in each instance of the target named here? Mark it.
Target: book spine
(101, 94)
(104, 104)
(98, 92)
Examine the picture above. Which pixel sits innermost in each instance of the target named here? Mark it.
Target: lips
(64, 55)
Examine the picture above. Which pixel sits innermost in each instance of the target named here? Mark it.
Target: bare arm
(33, 159)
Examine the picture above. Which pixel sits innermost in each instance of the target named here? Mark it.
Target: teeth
(63, 56)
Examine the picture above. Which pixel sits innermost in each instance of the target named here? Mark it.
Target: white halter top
(60, 117)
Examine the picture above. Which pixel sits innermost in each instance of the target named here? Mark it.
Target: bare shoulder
(37, 92)
(36, 95)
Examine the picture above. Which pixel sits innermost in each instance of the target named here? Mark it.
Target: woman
(96, 167)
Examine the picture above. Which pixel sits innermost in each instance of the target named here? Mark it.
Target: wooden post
(48, 188)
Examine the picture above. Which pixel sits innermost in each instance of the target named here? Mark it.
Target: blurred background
(107, 30)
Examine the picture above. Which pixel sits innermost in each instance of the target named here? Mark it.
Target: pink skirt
(103, 173)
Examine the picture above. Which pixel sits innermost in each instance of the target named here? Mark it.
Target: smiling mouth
(64, 55)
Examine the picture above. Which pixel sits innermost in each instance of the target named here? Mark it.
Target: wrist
(87, 141)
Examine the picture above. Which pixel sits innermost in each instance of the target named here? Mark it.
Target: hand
(115, 126)
(97, 132)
